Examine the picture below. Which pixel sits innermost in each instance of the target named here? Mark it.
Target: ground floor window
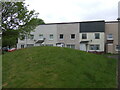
(22, 46)
(30, 45)
(117, 47)
(70, 46)
(49, 45)
(94, 47)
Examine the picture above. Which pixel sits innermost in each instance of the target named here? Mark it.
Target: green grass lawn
(55, 67)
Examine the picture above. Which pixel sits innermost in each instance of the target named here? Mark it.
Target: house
(68, 34)
(90, 36)
(43, 35)
(111, 37)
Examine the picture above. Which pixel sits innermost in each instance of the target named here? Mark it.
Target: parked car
(11, 49)
(5, 49)
(60, 44)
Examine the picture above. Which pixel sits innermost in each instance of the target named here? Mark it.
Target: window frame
(71, 37)
(94, 47)
(97, 37)
(31, 37)
(70, 46)
(50, 37)
(60, 36)
(22, 46)
(30, 45)
(40, 36)
(110, 36)
(85, 35)
(117, 49)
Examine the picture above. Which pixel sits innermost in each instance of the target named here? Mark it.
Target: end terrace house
(87, 36)
(111, 37)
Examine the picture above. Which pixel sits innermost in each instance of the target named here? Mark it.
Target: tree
(17, 20)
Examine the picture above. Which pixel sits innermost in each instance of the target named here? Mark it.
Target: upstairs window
(97, 36)
(72, 36)
(41, 36)
(51, 36)
(31, 36)
(117, 48)
(109, 36)
(61, 36)
(84, 36)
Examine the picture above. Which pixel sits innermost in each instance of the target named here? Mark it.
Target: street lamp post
(118, 67)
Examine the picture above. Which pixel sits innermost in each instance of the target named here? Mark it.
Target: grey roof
(96, 26)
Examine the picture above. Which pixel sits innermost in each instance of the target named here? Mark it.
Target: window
(72, 36)
(94, 47)
(70, 46)
(41, 36)
(73, 46)
(97, 36)
(84, 36)
(31, 37)
(61, 36)
(22, 37)
(49, 45)
(109, 36)
(22, 46)
(30, 45)
(51, 37)
(117, 48)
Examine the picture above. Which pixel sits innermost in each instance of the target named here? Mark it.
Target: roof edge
(73, 22)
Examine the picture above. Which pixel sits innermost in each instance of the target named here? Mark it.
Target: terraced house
(90, 36)
(111, 37)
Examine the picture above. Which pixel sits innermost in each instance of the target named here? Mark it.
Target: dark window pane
(22, 46)
(71, 46)
(72, 36)
(97, 36)
(61, 36)
(94, 47)
(84, 36)
(30, 45)
(68, 46)
(117, 47)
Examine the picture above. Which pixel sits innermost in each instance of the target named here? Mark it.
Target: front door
(22, 46)
(83, 47)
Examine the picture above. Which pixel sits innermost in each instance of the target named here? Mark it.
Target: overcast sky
(56, 11)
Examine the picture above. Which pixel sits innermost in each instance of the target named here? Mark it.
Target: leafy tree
(10, 38)
(16, 21)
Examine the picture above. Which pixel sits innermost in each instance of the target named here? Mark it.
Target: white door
(83, 47)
